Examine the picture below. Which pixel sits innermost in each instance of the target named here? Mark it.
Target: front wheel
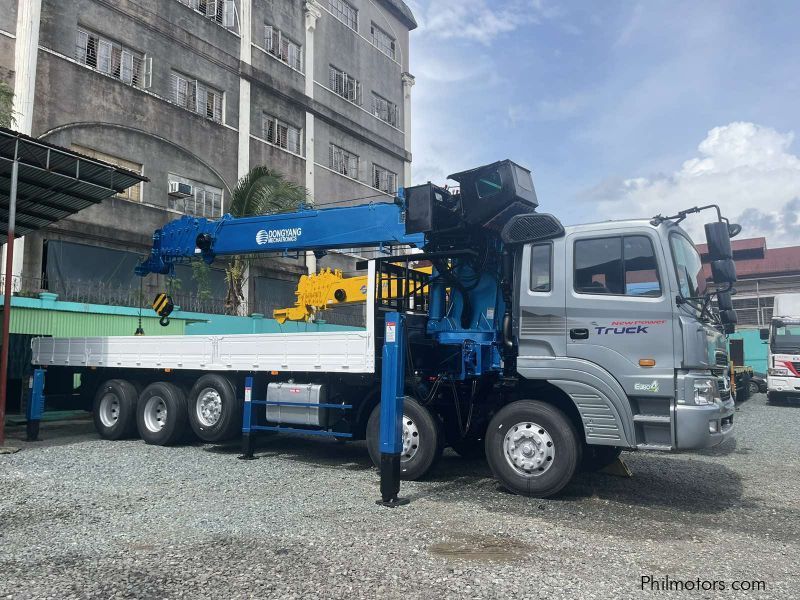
(752, 388)
(532, 448)
(422, 439)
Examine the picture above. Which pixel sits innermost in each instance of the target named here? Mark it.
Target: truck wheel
(596, 458)
(752, 388)
(114, 409)
(161, 414)
(215, 414)
(532, 448)
(422, 439)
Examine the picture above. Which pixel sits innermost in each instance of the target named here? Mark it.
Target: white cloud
(479, 20)
(745, 168)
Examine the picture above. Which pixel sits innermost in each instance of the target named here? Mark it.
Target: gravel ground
(81, 517)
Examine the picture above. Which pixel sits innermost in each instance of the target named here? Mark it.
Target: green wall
(755, 350)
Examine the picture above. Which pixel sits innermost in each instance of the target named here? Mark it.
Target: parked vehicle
(783, 337)
(547, 346)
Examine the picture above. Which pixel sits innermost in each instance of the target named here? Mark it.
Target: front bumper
(784, 385)
(698, 427)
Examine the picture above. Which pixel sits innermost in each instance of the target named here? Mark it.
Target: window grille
(382, 41)
(196, 97)
(282, 47)
(281, 134)
(345, 12)
(384, 109)
(113, 59)
(342, 161)
(384, 179)
(344, 85)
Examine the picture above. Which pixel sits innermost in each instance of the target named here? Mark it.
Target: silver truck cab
(607, 315)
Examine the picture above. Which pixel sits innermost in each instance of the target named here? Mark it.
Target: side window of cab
(617, 266)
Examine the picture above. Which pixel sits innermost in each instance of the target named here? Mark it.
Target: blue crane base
(392, 395)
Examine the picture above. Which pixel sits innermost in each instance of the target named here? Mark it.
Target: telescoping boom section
(377, 224)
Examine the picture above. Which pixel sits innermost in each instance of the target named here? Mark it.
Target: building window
(383, 41)
(345, 12)
(222, 12)
(384, 109)
(198, 199)
(344, 85)
(541, 267)
(384, 179)
(282, 47)
(197, 97)
(617, 266)
(133, 193)
(343, 162)
(111, 58)
(282, 135)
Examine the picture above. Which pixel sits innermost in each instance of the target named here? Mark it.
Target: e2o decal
(646, 387)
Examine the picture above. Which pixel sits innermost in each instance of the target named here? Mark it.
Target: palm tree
(261, 192)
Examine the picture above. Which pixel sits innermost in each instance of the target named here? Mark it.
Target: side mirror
(728, 328)
(763, 334)
(724, 301)
(734, 229)
(719, 241)
(723, 271)
(728, 316)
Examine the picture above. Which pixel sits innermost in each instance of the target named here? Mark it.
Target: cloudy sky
(620, 108)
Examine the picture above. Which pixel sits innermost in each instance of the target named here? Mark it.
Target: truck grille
(796, 366)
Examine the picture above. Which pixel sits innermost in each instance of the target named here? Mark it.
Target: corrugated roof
(759, 243)
(53, 182)
(776, 261)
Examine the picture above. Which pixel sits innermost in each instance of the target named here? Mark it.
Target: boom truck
(549, 348)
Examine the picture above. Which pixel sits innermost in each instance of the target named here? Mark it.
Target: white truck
(783, 357)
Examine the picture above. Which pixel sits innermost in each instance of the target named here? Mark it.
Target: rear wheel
(422, 439)
(161, 414)
(532, 448)
(215, 414)
(752, 388)
(114, 409)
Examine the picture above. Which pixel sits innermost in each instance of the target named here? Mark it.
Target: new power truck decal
(627, 327)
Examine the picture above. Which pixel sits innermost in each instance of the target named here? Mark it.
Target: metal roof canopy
(53, 182)
(40, 184)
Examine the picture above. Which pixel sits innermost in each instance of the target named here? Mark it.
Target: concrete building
(194, 93)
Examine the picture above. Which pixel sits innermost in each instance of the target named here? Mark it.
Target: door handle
(579, 334)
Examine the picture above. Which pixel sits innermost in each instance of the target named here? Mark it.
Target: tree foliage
(261, 192)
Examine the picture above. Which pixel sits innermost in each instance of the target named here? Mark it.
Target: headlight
(704, 392)
(778, 372)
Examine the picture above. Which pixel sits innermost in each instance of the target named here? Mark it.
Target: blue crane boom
(307, 229)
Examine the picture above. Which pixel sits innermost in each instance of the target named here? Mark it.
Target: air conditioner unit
(180, 190)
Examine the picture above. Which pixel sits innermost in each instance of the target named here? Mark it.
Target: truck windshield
(688, 267)
(786, 339)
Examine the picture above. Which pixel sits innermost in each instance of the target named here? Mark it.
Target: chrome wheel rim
(109, 409)
(155, 414)
(208, 407)
(529, 449)
(410, 439)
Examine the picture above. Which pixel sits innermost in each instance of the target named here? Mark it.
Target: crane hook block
(163, 305)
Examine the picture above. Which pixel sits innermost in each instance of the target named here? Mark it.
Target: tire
(596, 458)
(215, 415)
(415, 462)
(469, 448)
(114, 409)
(544, 431)
(161, 414)
(752, 388)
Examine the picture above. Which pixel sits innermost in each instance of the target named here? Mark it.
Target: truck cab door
(542, 314)
(619, 312)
